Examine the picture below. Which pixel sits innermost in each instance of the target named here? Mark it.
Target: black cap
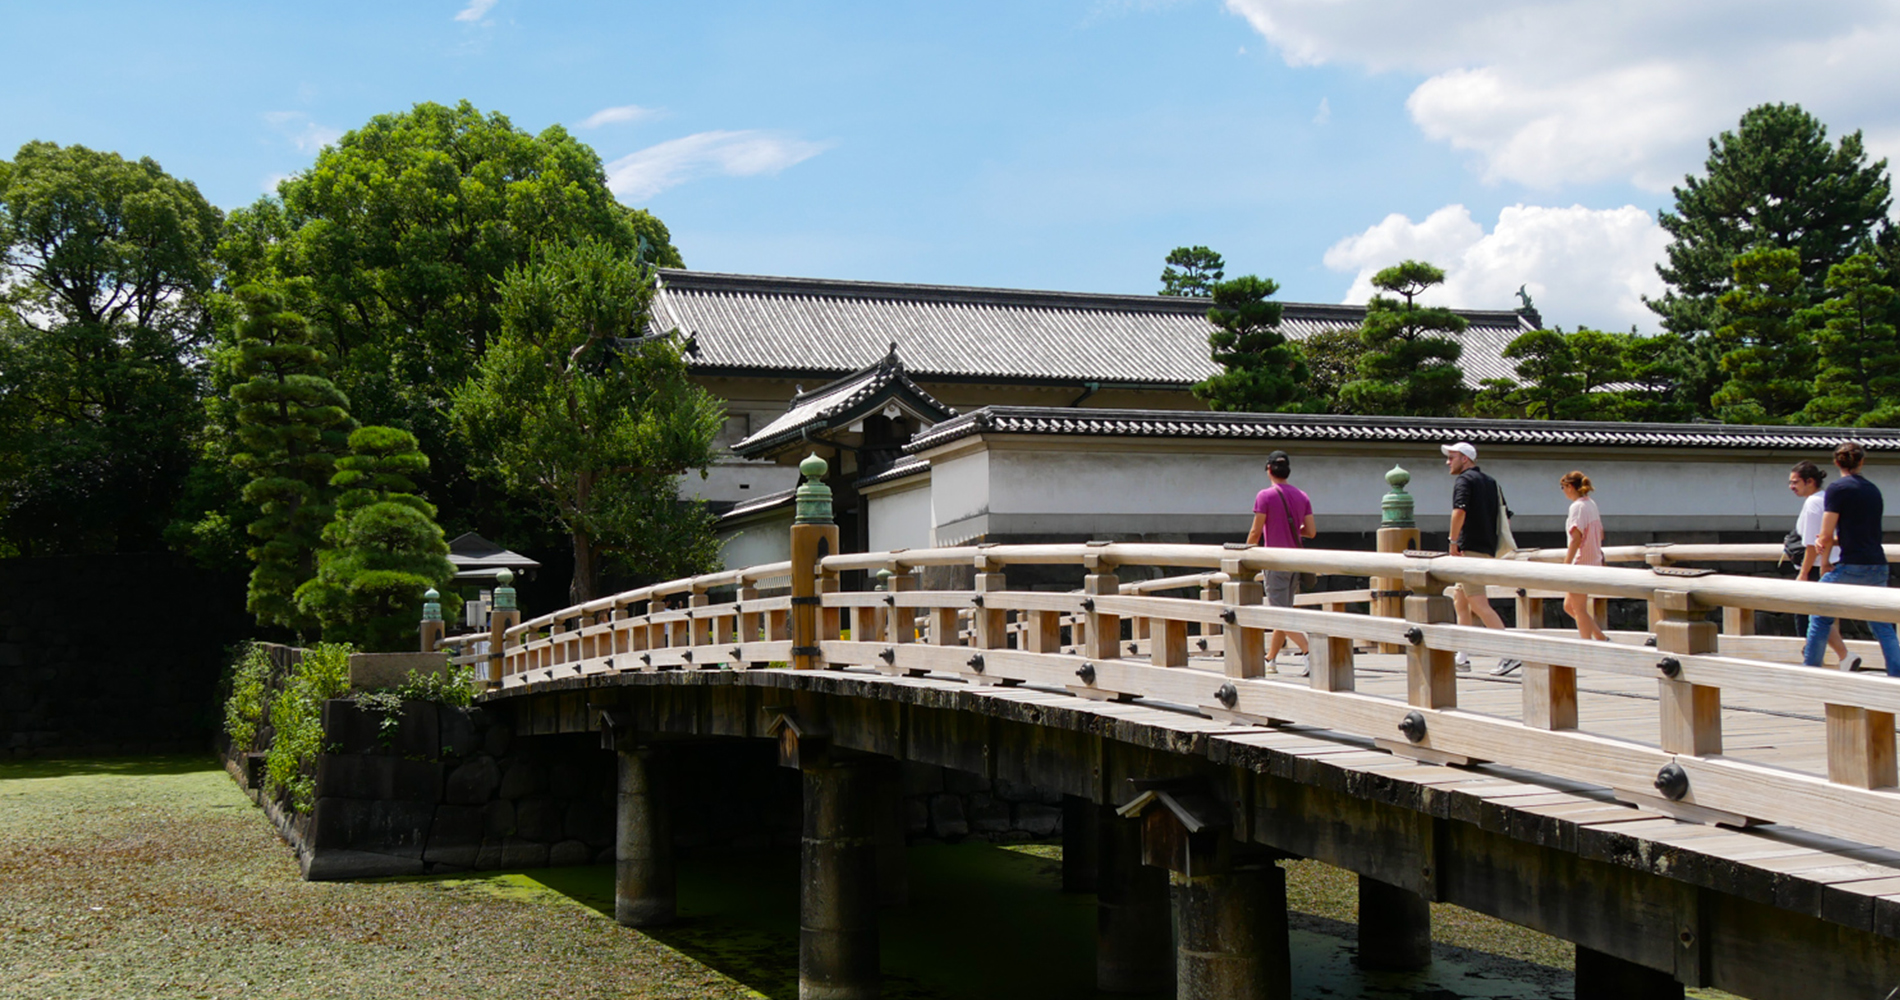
(1280, 459)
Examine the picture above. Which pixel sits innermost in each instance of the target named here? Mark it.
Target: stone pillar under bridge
(644, 878)
(838, 880)
(1132, 949)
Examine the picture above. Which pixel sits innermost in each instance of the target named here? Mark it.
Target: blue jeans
(1818, 627)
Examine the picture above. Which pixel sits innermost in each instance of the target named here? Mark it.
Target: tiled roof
(1307, 427)
(746, 323)
(850, 398)
(770, 501)
(909, 465)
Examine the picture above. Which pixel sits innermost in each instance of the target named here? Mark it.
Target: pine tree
(291, 423)
(1200, 270)
(1410, 367)
(382, 550)
(1859, 378)
(1264, 372)
(1768, 358)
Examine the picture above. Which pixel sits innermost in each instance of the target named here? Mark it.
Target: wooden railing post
(504, 616)
(1243, 650)
(700, 633)
(901, 624)
(1860, 748)
(1102, 633)
(813, 538)
(1691, 713)
(1430, 676)
(432, 628)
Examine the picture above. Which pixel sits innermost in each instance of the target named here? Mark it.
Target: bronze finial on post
(505, 614)
(814, 537)
(432, 627)
(1398, 531)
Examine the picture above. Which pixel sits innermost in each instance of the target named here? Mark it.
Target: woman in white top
(1583, 530)
(1805, 480)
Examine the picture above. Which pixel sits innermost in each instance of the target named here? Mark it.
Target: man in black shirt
(1476, 505)
(1852, 519)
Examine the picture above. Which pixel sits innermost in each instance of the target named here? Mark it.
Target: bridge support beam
(838, 873)
(888, 821)
(1233, 931)
(644, 881)
(1132, 936)
(1081, 837)
(1395, 927)
(1606, 977)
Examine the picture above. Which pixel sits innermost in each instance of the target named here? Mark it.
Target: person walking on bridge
(1805, 480)
(1282, 517)
(1583, 534)
(1852, 510)
(1477, 510)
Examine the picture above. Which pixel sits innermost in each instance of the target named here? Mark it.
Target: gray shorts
(1281, 586)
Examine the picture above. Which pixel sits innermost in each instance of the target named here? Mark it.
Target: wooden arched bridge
(1687, 803)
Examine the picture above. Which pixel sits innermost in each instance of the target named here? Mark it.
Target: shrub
(250, 696)
(297, 715)
(454, 687)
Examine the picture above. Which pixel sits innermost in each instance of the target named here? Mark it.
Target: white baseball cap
(1465, 448)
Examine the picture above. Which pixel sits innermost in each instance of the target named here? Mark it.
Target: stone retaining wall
(454, 789)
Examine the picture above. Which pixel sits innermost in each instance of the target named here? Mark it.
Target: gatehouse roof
(757, 325)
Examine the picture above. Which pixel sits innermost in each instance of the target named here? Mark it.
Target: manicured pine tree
(1198, 270)
(1410, 367)
(1765, 351)
(1264, 372)
(382, 550)
(291, 424)
(1858, 383)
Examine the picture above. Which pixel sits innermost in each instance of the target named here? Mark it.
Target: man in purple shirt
(1282, 516)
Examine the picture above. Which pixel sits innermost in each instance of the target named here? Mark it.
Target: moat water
(984, 923)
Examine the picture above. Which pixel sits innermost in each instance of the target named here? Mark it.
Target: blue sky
(1061, 145)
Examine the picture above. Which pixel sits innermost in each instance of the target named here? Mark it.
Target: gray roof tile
(809, 325)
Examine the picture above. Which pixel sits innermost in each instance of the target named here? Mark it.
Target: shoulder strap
(1287, 510)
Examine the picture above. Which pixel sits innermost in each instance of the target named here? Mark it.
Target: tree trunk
(586, 570)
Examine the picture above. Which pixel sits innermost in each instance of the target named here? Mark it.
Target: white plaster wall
(757, 543)
(900, 519)
(1179, 489)
(960, 498)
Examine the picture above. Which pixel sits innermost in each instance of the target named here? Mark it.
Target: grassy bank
(158, 878)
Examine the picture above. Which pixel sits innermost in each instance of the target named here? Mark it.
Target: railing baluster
(1244, 650)
(1860, 747)
(1430, 675)
(1550, 696)
(1102, 634)
(1691, 713)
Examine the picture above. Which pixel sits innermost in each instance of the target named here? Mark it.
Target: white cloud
(271, 182)
(1584, 267)
(747, 153)
(617, 115)
(306, 135)
(476, 10)
(1324, 114)
(1566, 91)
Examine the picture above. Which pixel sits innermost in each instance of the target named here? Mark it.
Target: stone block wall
(455, 789)
(120, 654)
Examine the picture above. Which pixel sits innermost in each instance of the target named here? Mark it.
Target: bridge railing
(1205, 653)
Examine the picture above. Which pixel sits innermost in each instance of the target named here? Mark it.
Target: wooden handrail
(968, 633)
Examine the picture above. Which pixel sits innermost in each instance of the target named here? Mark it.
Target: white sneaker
(1506, 667)
(1851, 662)
(1298, 663)
(1462, 662)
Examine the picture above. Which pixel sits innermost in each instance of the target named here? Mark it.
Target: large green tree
(1410, 367)
(1766, 352)
(1774, 182)
(105, 272)
(1858, 377)
(1586, 375)
(1262, 370)
(1192, 271)
(292, 423)
(576, 407)
(405, 228)
(382, 550)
